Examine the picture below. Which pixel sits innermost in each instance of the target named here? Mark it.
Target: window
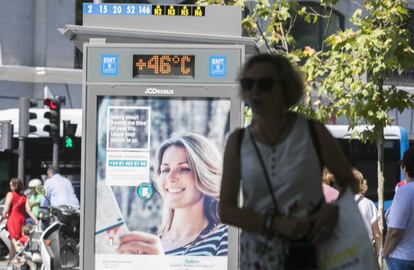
(313, 35)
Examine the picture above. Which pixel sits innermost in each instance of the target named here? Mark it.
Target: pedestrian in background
(59, 190)
(328, 181)
(276, 160)
(14, 211)
(367, 208)
(399, 240)
(33, 201)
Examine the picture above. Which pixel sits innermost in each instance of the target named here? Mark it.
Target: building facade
(37, 61)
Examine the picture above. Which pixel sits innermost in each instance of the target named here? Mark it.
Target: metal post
(20, 164)
(55, 161)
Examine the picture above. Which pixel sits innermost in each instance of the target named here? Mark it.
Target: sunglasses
(263, 84)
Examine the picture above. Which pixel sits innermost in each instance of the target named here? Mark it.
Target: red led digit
(153, 64)
(185, 70)
(165, 67)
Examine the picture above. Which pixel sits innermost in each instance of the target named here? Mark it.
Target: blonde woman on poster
(188, 179)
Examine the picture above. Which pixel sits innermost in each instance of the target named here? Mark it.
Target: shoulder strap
(315, 140)
(266, 174)
(312, 130)
(240, 135)
(360, 198)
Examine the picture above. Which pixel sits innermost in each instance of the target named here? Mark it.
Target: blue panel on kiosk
(109, 64)
(217, 66)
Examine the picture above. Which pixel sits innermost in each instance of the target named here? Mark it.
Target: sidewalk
(3, 264)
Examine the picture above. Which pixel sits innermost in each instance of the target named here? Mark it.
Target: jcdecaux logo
(157, 91)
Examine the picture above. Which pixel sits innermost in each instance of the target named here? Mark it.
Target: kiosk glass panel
(152, 199)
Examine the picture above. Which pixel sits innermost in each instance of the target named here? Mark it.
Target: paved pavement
(3, 265)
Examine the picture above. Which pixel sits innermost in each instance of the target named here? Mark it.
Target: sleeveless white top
(294, 170)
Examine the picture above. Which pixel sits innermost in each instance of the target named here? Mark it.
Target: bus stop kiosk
(152, 73)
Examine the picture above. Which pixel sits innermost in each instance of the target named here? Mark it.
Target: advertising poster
(159, 163)
(128, 139)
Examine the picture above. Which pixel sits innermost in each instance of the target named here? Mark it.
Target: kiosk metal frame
(96, 85)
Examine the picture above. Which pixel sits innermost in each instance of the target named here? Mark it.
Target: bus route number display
(163, 66)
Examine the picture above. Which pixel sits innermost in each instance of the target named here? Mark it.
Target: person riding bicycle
(59, 190)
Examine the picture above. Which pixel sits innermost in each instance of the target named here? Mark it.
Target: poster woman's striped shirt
(212, 241)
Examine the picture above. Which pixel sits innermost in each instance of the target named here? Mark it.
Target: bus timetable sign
(144, 10)
(179, 20)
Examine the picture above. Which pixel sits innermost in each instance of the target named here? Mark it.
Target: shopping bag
(349, 246)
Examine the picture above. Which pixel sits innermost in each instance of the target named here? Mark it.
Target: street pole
(55, 160)
(25, 128)
(20, 164)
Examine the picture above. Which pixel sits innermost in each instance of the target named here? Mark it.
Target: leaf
(301, 11)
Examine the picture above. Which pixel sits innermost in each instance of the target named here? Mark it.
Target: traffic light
(53, 115)
(6, 135)
(25, 116)
(69, 131)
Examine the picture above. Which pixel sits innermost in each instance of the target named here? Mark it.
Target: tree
(353, 73)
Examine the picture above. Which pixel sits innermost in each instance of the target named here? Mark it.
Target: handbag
(349, 247)
(300, 254)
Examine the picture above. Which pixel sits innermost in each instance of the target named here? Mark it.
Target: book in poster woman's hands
(110, 224)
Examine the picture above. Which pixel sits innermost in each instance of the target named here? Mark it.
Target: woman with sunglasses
(277, 162)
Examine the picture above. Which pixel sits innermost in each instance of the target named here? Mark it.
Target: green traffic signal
(68, 142)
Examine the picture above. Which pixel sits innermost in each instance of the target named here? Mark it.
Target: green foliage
(349, 77)
(247, 116)
(271, 23)
(354, 72)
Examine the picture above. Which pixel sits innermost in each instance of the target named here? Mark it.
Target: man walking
(59, 190)
(399, 241)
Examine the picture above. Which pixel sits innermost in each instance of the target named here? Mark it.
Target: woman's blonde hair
(363, 186)
(327, 176)
(205, 161)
